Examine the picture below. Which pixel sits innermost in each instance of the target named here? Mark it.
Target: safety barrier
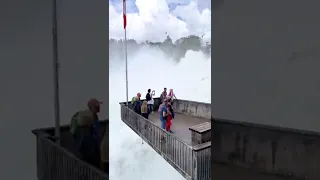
(193, 163)
(57, 162)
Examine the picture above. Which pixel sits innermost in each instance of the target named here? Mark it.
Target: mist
(150, 67)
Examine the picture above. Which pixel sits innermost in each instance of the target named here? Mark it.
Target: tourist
(172, 96)
(170, 116)
(149, 98)
(163, 113)
(144, 109)
(85, 130)
(163, 94)
(136, 104)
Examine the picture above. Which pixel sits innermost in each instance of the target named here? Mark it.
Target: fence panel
(175, 151)
(57, 163)
(202, 163)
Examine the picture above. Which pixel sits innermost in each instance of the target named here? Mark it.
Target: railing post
(194, 166)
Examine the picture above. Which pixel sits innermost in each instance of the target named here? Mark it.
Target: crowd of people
(146, 107)
(90, 140)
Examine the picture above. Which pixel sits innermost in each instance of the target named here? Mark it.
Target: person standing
(144, 109)
(149, 98)
(163, 113)
(163, 94)
(170, 116)
(172, 96)
(85, 130)
(136, 104)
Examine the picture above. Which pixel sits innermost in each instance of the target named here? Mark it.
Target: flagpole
(125, 45)
(126, 56)
(55, 71)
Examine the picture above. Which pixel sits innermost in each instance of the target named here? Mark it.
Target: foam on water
(148, 68)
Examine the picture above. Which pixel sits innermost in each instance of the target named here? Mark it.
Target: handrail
(173, 149)
(178, 100)
(197, 159)
(58, 162)
(158, 127)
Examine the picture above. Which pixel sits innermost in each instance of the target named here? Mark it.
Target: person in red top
(169, 118)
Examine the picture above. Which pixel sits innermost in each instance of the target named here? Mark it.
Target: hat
(93, 102)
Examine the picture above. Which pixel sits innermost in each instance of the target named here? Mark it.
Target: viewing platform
(181, 124)
(240, 149)
(57, 161)
(188, 149)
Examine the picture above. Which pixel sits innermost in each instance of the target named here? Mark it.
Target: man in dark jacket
(85, 129)
(137, 104)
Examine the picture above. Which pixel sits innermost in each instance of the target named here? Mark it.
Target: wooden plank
(201, 128)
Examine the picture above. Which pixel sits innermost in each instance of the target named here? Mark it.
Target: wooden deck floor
(180, 125)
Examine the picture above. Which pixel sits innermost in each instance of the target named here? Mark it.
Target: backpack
(82, 118)
(133, 102)
(148, 97)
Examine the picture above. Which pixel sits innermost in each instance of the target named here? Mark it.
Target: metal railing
(55, 162)
(176, 152)
(203, 162)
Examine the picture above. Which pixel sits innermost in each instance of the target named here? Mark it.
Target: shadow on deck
(180, 125)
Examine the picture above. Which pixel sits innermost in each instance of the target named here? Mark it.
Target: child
(169, 118)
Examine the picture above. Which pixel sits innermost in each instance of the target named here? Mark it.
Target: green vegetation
(176, 50)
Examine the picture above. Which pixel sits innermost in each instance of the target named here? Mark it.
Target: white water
(190, 79)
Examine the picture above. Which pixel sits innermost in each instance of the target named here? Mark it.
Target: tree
(176, 50)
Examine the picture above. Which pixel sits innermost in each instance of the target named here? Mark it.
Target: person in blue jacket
(163, 113)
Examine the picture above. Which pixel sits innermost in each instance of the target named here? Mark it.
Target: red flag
(124, 14)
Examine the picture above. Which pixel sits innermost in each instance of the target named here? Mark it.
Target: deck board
(201, 128)
(180, 125)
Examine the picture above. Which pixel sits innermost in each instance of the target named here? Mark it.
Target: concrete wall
(267, 149)
(192, 108)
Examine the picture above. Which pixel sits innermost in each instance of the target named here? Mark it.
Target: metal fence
(203, 162)
(179, 154)
(55, 162)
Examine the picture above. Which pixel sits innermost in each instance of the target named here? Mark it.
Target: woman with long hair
(171, 96)
(144, 109)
